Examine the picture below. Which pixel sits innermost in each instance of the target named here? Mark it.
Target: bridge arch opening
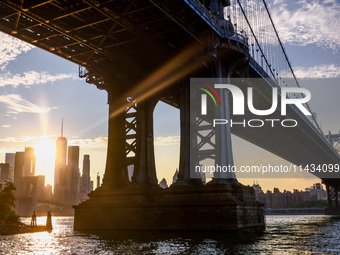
(166, 141)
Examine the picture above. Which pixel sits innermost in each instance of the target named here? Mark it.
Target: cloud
(169, 140)
(13, 149)
(10, 48)
(101, 142)
(18, 104)
(32, 78)
(86, 143)
(308, 22)
(96, 143)
(321, 71)
(14, 144)
(5, 126)
(25, 139)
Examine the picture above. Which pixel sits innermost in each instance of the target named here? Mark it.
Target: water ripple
(283, 235)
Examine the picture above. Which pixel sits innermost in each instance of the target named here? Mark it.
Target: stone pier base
(183, 207)
(332, 211)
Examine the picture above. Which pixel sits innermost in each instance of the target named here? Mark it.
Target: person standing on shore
(49, 221)
(34, 220)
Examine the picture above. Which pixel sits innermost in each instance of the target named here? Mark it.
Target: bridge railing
(213, 21)
(252, 24)
(252, 19)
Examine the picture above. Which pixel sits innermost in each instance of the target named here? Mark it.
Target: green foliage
(310, 204)
(7, 203)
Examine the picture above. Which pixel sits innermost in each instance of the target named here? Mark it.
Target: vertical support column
(145, 169)
(224, 154)
(184, 157)
(115, 167)
(328, 195)
(336, 197)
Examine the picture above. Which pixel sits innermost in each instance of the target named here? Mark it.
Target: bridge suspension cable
(252, 19)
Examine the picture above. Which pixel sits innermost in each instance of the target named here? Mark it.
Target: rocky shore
(9, 228)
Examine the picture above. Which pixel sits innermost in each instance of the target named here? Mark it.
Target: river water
(283, 235)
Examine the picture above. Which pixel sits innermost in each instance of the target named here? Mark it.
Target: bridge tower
(141, 203)
(332, 185)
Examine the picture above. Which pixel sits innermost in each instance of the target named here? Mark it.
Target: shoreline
(9, 228)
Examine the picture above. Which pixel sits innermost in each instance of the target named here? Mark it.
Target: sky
(38, 90)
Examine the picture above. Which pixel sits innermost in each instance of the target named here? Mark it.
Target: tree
(7, 203)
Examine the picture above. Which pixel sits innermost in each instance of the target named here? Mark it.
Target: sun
(45, 156)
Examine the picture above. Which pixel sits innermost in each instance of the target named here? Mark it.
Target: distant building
(91, 185)
(98, 180)
(72, 176)
(278, 199)
(5, 172)
(175, 177)
(29, 162)
(259, 195)
(67, 179)
(47, 193)
(30, 191)
(317, 192)
(130, 172)
(163, 184)
(60, 165)
(10, 158)
(86, 179)
(18, 169)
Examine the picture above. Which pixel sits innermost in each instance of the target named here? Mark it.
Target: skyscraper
(86, 175)
(29, 162)
(60, 161)
(72, 175)
(98, 180)
(10, 158)
(5, 172)
(18, 169)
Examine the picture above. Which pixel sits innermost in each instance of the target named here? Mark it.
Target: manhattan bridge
(144, 51)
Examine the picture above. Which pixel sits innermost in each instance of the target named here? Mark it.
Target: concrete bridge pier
(332, 188)
(114, 177)
(145, 170)
(141, 204)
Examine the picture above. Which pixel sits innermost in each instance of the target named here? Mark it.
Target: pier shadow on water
(174, 242)
(283, 235)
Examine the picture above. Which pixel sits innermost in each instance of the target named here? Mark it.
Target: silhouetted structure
(24, 166)
(72, 176)
(163, 184)
(60, 166)
(86, 186)
(49, 221)
(34, 220)
(175, 177)
(5, 172)
(29, 162)
(278, 199)
(10, 159)
(98, 180)
(18, 169)
(31, 190)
